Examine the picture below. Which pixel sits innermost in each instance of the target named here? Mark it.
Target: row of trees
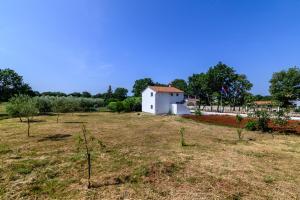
(220, 85)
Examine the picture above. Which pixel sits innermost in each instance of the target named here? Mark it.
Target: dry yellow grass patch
(140, 157)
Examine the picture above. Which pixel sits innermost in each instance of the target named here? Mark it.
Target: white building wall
(180, 109)
(148, 100)
(161, 102)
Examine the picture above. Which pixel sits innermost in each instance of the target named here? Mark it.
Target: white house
(163, 100)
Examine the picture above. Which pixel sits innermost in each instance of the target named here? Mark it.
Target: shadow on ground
(56, 137)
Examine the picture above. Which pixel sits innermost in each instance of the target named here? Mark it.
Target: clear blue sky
(76, 45)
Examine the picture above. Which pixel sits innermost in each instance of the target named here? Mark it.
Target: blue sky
(77, 45)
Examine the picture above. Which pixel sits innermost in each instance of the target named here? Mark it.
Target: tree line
(220, 85)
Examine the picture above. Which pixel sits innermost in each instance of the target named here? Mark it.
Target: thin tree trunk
(88, 155)
(57, 117)
(28, 127)
(20, 119)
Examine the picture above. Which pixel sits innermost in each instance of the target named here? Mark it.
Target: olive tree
(23, 106)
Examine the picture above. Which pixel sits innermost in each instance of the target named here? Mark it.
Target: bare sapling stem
(84, 131)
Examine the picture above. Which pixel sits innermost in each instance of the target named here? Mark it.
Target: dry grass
(140, 157)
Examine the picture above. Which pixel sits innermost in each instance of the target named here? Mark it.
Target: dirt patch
(226, 120)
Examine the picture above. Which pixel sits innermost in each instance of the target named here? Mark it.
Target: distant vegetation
(220, 86)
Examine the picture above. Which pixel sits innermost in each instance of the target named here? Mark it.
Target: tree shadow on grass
(75, 122)
(56, 137)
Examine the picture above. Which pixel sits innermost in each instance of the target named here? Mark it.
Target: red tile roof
(163, 89)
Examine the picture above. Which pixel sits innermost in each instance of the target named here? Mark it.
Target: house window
(151, 94)
(151, 106)
(177, 94)
(171, 94)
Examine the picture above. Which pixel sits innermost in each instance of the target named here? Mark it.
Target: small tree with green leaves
(14, 106)
(59, 106)
(239, 120)
(23, 106)
(281, 118)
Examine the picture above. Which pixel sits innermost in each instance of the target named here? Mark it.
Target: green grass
(3, 114)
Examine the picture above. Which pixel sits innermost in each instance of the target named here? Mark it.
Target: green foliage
(140, 85)
(180, 84)
(22, 106)
(207, 86)
(285, 86)
(120, 93)
(281, 118)
(132, 104)
(12, 84)
(44, 104)
(112, 106)
(198, 112)
(262, 119)
(251, 126)
(239, 118)
(119, 106)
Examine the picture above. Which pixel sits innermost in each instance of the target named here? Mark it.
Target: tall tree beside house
(140, 85)
(284, 86)
(11, 84)
(220, 76)
(120, 93)
(180, 84)
(198, 86)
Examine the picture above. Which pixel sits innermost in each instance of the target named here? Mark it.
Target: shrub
(112, 106)
(119, 106)
(132, 104)
(263, 118)
(44, 104)
(281, 118)
(251, 126)
(198, 112)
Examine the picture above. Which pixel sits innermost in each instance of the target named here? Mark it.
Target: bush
(263, 118)
(281, 118)
(198, 112)
(112, 106)
(44, 104)
(132, 104)
(251, 126)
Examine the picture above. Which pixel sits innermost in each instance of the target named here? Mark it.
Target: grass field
(3, 114)
(139, 157)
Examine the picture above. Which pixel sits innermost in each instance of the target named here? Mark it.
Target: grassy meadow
(138, 156)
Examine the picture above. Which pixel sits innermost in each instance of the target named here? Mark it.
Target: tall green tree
(240, 87)
(11, 84)
(140, 85)
(120, 93)
(284, 86)
(198, 86)
(86, 94)
(220, 76)
(180, 84)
